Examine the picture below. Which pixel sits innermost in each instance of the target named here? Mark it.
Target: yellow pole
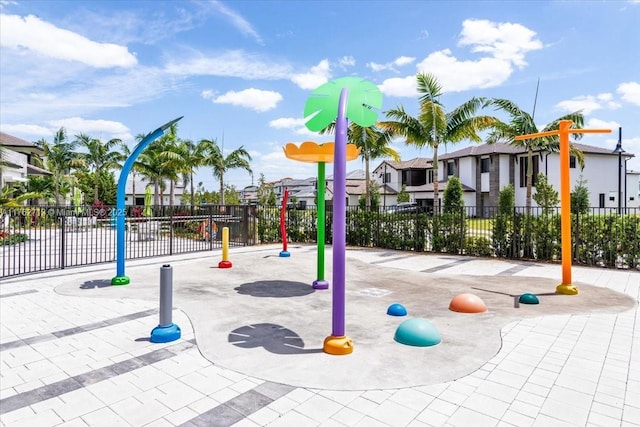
(225, 263)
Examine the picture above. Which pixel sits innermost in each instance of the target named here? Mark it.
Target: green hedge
(608, 240)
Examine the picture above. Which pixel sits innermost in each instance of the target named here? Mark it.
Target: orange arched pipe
(564, 129)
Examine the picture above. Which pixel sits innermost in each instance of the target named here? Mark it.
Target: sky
(240, 72)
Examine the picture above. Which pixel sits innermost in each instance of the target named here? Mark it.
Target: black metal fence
(36, 239)
(41, 238)
(600, 237)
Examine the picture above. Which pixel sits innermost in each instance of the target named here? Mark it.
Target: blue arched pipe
(120, 278)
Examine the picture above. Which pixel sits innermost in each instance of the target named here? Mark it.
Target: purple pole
(339, 215)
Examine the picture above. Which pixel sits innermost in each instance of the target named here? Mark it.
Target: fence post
(514, 237)
(245, 224)
(63, 245)
(463, 230)
(170, 231)
(211, 238)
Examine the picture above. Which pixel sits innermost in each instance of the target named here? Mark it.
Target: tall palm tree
(60, 158)
(99, 157)
(150, 166)
(171, 156)
(214, 157)
(434, 126)
(373, 144)
(522, 123)
(192, 157)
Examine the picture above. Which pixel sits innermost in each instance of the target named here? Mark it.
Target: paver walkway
(78, 361)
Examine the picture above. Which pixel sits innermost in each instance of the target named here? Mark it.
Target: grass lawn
(480, 223)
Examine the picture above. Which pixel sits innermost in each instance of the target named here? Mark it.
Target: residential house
(141, 183)
(20, 158)
(416, 175)
(304, 191)
(485, 169)
(249, 195)
(355, 187)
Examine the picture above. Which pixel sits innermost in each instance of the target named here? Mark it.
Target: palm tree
(60, 158)
(9, 200)
(38, 184)
(193, 157)
(373, 144)
(171, 161)
(521, 123)
(213, 156)
(99, 158)
(433, 126)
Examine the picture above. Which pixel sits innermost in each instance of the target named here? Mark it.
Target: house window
(484, 165)
(451, 169)
(386, 178)
(601, 200)
(430, 176)
(523, 170)
(572, 162)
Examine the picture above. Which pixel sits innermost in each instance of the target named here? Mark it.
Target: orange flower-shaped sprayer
(312, 152)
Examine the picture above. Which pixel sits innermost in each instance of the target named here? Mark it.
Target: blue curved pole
(120, 278)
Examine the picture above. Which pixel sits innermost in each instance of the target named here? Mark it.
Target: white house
(19, 160)
(485, 169)
(415, 174)
(140, 186)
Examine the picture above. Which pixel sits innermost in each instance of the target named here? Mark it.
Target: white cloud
(238, 21)
(317, 76)
(398, 62)
(101, 129)
(630, 91)
(24, 129)
(506, 41)
(43, 38)
(404, 60)
(588, 103)
(233, 63)
(377, 67)
(286, 123)
(347, 61)
(297, 125)
(75, 125)
(399, 86)
(594, 123)
(255, 99)
(456, 76)
(503, 45)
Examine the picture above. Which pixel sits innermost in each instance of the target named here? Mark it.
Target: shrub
(478, 246)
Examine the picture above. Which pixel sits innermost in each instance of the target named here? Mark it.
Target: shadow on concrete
(92, 284)
(275, 289)
(273, 338)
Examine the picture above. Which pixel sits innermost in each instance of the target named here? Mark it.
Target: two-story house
(416, 175)
(19, 161)
(485, 169)
(488, 168)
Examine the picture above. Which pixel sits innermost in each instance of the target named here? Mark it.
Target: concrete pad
(262, 318)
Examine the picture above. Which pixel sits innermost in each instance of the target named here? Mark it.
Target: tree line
(171, 159)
